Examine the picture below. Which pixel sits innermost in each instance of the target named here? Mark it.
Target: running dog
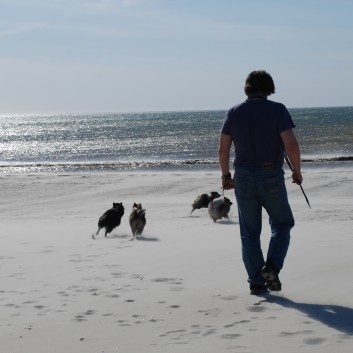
(111, 218)
(137, 220)
(203, 200)
(219, 208)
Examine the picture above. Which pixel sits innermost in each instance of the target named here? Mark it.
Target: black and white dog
(137, 220)
(219, 208)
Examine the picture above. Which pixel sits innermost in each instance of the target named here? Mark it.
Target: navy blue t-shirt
(255, 126)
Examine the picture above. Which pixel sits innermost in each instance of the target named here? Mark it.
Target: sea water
(152, 140)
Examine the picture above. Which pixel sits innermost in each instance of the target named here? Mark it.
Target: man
(261, 131)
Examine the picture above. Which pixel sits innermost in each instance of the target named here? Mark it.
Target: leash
(291, 168)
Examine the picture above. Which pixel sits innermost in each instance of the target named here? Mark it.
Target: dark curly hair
(259, 82)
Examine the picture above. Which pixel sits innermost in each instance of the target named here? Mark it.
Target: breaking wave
(117, 166)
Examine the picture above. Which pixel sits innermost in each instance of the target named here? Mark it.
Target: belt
(268, 166)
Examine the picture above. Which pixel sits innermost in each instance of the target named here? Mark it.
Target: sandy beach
(181, 287)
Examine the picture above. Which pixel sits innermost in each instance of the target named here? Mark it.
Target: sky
(92, 56)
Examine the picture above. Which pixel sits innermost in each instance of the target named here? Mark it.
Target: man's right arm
(225, 143)
(292, 147)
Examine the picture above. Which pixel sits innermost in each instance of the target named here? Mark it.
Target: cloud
(11, 30)
(111, 5)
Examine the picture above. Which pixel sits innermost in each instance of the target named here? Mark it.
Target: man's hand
(297, 178)
(227, 182)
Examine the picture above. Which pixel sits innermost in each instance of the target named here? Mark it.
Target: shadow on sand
(142, 238)
(129, 237)
(337, 317)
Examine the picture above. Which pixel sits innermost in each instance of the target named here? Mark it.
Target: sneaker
(271, 276)
(257, 289)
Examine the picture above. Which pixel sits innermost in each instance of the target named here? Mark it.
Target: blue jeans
(257, 188)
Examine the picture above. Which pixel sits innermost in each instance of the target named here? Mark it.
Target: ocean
(66, 143)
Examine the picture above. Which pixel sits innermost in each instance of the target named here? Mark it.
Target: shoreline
(151, 166)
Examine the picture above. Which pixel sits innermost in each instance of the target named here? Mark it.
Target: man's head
(259, 82)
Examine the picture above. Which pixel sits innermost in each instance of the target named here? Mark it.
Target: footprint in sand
(39, 307)
(80, 318)
(236, 323)
(184, 336)
(29, 302)
(6, 258)
(172, 333)
(118, 274)
(231, 336)
(83, 316)
(312, 341)
(123, 323)
(304, 332)
(256, 309)
(210, 312)
(167, 280)
(139, 319)
(227, 297)
(64, 294)
(47, 251)
(174, 306)
(176, 282)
